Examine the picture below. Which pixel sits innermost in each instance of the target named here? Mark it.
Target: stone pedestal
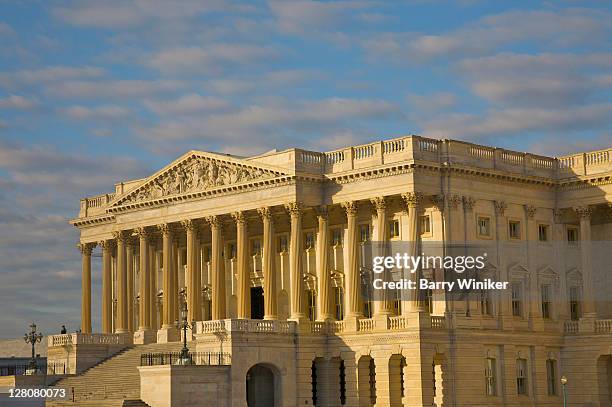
(144, 336)
(168, 334)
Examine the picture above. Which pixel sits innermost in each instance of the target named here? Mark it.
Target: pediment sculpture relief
(197, 174)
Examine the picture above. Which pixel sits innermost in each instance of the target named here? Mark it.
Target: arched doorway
(261, 388)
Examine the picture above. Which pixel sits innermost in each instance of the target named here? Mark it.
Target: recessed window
(339, 303)
(231, 248)
(490, 377)
(543, 233)
(425, 224)
(336, 237)
(255, 247)
(282, 244)
(572, 235)
(546, 304)
(312, 304)
(486, 307)
(517, 299)
(484, 226)
(521, 376)
(364, 233)
(394, 229)
(551, 376)
(574, 302)
(514, 229)
(309, 241)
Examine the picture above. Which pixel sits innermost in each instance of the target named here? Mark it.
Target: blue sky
(95, 92)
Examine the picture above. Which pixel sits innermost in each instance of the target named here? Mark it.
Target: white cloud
(188, 104)
(129, 13)
(49, 74)
(17, 102)
(269, 81)
(211, 58)
(112, 89)
(6, 30)
(107, 112)
(432, 103)
(554, 28)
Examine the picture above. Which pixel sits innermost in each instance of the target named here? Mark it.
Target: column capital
(530, 210)
(107, 244)
(322, 211)
(265, 213)
(350, 207)
(379, 203)
(214, 221)
(165, 229)
(583, 212)
(121, 236)
(468, 203)
(143, 232)
(412, 199)
(239, 217)
(439, 201)
(189, 225)
(294, 208)
(454, 201)
(86, 248)
(500, 207)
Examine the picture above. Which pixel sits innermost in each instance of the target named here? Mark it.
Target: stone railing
(89, 339)
(338, 326)
(246, 325)
(570, 327)
(95, 205)
(366, 325)
(603, 326)
(438, 322)
(398, 322)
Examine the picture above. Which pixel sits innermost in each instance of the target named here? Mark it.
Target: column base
(168, 334)
(145, 336)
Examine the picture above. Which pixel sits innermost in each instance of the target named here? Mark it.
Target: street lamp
(563, 383)
(184, 358)
(32, 337)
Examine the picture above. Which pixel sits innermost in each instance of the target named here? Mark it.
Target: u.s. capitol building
(266, 255)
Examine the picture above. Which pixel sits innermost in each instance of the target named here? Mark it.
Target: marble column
(382, 303)
(295, 262)
(218, 268)
(588, 305)
(167, 275)
(86, 249)
(192, 257)
(242, 258)
(129, 267)
(269, 274)
(144, 280)
(323, 277)
(351, 268)
(412, 201)
(121, 323)
(153, 266)
(107, 285)
(501, 233)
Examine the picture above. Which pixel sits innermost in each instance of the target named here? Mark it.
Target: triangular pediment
(195, 172)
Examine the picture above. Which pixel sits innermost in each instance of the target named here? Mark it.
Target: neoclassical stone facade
(268, 253)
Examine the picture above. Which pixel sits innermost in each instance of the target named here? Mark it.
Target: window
(425, 224)
(574, 299)
(543, 233)
(397, 302)
(207, 252)
(364, 233)
(490, 377)
(367, 309)
(336, 237)
(231, 249)
(521, 376)
(572, 235)
(428, 293)
(309, 241)
(394, 229)
(484, 226)
(282, 244)
(514, 229)
(546, 301)
(339, 303)
(551, 376)
(312, 304)
(486, 308)
(517, 301)
(255, 247)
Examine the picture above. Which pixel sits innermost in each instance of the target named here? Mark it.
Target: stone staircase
(112, 382)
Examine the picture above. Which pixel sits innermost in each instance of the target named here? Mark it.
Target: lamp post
(563, 383)
(184, 358)
(32, 337)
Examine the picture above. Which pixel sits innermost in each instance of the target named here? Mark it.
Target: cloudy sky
(95, 92)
